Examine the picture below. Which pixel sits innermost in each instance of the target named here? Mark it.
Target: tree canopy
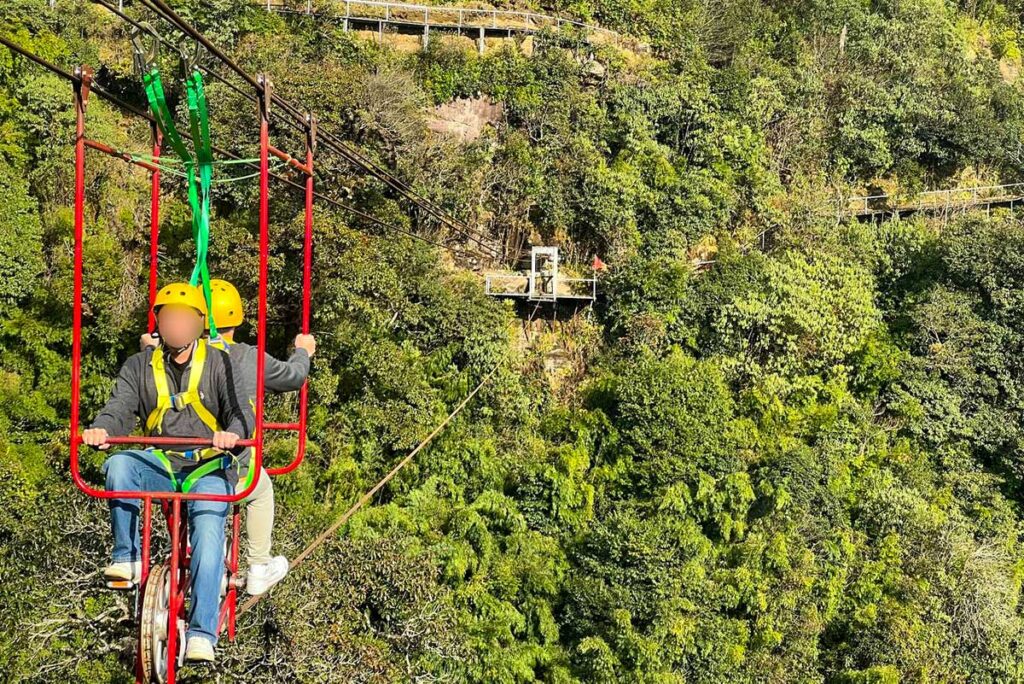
(786, 446)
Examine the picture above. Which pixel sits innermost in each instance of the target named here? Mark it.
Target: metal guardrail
(525, 286)
(937, 199)
(436, 15)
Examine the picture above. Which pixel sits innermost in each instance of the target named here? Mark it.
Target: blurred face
(179, 325)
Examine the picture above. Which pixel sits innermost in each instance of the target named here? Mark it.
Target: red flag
(598, 264)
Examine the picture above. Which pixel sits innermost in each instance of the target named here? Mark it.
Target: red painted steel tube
(291, 161)
(281, 426)
(307, 276)
(118, 154)
(174, 524)
(155, 496)
(227, 612)
(172, 441)
(154, 227)
(261, 324)
(307, 244)
(147, 527)
(81, 89)
(232, 597)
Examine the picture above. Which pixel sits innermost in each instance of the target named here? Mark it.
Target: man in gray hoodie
(182, 388)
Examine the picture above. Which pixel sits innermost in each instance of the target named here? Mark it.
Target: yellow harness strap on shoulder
(165, 401)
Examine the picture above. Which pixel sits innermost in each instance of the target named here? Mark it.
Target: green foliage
(21, 251)
(785, 447)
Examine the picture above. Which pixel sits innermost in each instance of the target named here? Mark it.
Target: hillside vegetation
(801, 464)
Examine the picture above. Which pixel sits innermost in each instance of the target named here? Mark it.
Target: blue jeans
(140, 470)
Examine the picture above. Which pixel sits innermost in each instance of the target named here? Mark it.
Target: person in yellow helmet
(278, 376)
(183, 387)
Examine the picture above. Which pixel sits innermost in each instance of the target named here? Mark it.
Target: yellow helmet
(227, 304)
(180, 293)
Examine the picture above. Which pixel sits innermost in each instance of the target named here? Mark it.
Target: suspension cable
(327, 139)
(104, 94)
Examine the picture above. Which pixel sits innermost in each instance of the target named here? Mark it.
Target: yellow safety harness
(165, 401)
(190, 398)
(224, 345)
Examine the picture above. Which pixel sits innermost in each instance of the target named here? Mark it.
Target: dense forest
(801, 461)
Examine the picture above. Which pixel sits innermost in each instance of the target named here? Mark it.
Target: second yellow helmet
(180, 293)
(227, 304)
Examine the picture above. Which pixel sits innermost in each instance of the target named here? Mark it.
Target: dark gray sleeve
(118, 415)
(235, 410)
(285, 376)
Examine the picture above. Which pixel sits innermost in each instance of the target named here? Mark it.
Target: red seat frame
(171, 501)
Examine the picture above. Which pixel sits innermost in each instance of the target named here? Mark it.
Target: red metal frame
(171, 501)
(154, 225)
(307, 273)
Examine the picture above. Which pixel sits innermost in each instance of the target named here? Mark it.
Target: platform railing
(436, 15)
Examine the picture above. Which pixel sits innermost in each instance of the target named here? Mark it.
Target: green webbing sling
(200, 126)
(198, 192)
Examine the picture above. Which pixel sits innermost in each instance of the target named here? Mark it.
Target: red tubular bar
(83, 80)
(282, 426)
(307, 275)
(173, 606)
(291, 161)
(81, 88)
(263, 101)
(172, 441)
(156, 496)
(154, 227)
(226, 615)
(147, 526)
(232, 597)
(118, 154)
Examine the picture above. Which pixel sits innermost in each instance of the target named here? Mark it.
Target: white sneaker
(199, 650)
(263, 576)
(122, 575)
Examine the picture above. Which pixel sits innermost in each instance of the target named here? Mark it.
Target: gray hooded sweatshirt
(278, 376)
(222, 390)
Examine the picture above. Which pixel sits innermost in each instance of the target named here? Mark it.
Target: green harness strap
(249, 475)
(224, 345)
(167, 466)
(200, 125)
(198, 190)
(208, 466)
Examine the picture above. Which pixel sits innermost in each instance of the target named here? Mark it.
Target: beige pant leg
(259, 518)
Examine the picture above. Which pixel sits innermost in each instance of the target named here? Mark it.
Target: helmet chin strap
(177, 350)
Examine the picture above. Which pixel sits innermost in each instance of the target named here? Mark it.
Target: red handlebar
(76, 443)
(171, 441)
